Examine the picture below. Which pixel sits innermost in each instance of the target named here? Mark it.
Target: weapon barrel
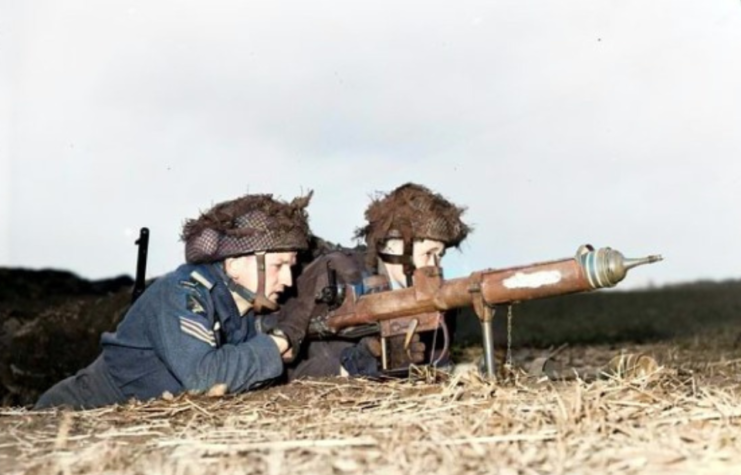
(516, 284)
(590, 269)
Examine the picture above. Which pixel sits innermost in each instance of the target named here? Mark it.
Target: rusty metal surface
(534, 282)
(398, 326)
(375, 307)
(482, 289)
(431, 294)
(427, 281)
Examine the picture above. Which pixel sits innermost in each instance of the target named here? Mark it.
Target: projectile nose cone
(631, 263)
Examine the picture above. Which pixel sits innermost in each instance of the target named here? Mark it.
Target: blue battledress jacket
(183, 333)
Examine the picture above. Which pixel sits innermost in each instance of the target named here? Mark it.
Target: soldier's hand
(399, 353)
(416, 350)
(373, 344)
(404, 353)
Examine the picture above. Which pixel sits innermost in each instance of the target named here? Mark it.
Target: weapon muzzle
(606, 267)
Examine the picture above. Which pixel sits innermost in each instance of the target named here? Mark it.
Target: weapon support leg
(487, 333)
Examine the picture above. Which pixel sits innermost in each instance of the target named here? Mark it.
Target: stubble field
(682, 416)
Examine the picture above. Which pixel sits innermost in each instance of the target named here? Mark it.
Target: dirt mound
(50, 326)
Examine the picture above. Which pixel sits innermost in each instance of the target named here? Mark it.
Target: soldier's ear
(230, 267)
(235, 266)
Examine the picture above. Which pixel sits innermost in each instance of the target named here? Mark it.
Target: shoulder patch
(198, 277)
(195, 306)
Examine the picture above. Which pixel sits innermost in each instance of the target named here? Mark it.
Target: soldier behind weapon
(408, 228)
(194, 328)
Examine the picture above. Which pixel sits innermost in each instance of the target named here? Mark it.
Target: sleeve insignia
(198, 331)
(195, 306)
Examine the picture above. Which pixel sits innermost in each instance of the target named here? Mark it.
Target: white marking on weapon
(532, 281)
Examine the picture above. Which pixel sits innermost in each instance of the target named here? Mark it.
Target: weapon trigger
(410, 333)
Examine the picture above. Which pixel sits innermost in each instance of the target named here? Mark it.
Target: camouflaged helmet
(411, 212)
(252, 223)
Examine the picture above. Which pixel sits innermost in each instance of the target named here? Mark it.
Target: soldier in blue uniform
(194, 328)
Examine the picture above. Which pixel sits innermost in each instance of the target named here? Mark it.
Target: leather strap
(261, 302)
(405, 260)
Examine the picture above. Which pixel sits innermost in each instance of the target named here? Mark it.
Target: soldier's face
(277, 272)
(426, 252)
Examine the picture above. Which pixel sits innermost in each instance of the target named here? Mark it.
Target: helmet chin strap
(406, 260)
(259, 301)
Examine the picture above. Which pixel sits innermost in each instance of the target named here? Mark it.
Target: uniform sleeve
(184, 340)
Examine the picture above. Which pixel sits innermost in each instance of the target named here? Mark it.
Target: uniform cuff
(268, 355)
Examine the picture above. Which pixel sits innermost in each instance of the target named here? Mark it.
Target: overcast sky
(613, 122)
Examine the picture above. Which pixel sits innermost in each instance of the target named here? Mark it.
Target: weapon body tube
(534, 282)
(496, 287)
(372, 308)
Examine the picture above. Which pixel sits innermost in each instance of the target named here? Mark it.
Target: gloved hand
(397, 355)
(364, 359)
(298, 311)
(400, 356)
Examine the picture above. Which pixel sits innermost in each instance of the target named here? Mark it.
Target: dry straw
(672, 420)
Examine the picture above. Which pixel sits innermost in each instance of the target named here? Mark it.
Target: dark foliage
(601, 317)
(50, 326)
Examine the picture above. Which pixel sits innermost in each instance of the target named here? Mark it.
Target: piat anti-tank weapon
(354, 312)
